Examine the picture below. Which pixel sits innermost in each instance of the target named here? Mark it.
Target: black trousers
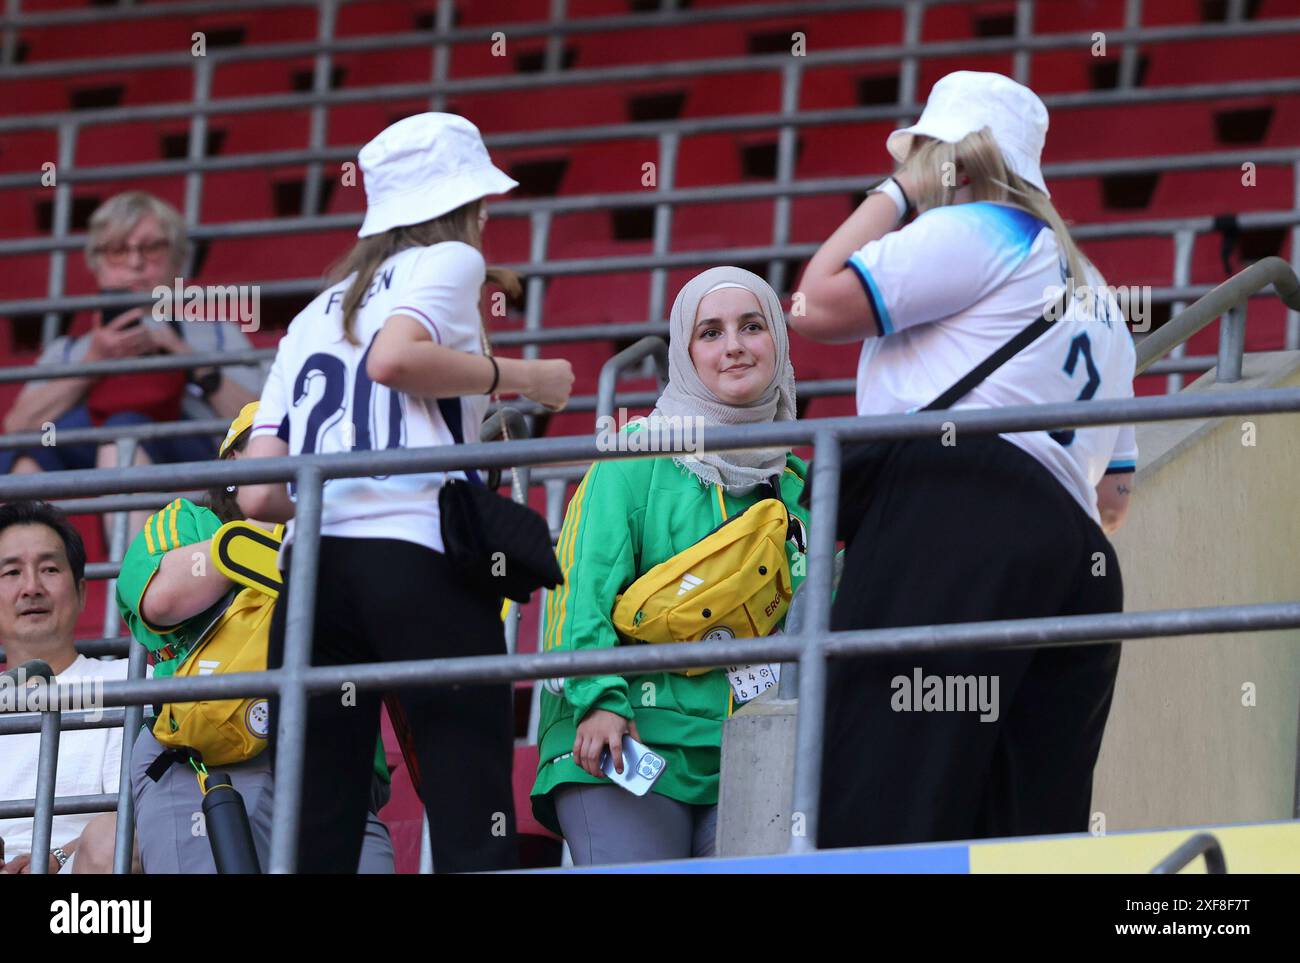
(390, 600)
(973, 532)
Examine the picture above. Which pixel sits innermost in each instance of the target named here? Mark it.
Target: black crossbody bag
(863, 461)
(500, 546)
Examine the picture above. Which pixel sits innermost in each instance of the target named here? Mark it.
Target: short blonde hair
(119, 215)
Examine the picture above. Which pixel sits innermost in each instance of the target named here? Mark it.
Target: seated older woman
(136, 243)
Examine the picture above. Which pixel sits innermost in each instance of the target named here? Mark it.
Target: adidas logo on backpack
(689, 582)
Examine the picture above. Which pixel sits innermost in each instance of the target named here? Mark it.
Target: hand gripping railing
(811, 646)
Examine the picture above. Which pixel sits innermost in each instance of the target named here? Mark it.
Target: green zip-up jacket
(626, 517)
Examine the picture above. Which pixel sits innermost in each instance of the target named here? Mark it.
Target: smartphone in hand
(641, 767)
(134, 323)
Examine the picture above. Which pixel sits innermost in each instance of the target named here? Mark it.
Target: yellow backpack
(732, 584)
(227, 731)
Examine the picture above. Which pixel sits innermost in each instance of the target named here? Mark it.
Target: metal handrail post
(291, 726)
(665, 180)
(46, 773)
(9, 39)
(197, 148)
(509, 423)
(554, 57)
(1232, 342)
(1129, 52)
(132, 722)
(444, 19)
(121, 523)
(816, 621)
(647, 347)
(321, 83)
(786, 151)
(62, 223)
(555, 490)
(1024, 30)
(913, 20)
(1184, 246)
(539, 225)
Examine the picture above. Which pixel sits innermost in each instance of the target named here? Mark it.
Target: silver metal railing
(810, 647)
(1268, 272)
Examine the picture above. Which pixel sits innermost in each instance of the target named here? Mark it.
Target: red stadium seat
(705, 161)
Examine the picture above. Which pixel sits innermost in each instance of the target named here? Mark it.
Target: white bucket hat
(966, 101)
(423, 166)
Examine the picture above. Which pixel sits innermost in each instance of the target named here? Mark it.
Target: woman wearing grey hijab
(729, 364)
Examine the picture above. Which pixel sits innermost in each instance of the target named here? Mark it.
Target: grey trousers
(169, 827)
(607, 824)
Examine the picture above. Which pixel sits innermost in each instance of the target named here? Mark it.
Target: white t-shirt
(89, 764)
(957, 283)
(319, 399)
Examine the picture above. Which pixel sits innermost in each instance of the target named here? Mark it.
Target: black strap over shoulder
(794, 530)
(168, 758)
(1023, 338)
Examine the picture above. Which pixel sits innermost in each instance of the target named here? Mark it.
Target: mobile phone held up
(641, 767)
(116, 311)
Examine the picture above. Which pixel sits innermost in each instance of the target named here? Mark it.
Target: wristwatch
(58, 853)
(209, 382)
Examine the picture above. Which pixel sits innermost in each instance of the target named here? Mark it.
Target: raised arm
(404, 357)
(834, 307)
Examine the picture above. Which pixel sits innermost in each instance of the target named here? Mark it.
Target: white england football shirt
(958, 282)
(319, 399)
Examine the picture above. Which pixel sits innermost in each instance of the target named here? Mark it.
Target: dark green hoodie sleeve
(597, 551)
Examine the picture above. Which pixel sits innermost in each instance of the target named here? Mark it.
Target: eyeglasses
(119, 254)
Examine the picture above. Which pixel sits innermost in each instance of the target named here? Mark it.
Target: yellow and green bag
(733, 583)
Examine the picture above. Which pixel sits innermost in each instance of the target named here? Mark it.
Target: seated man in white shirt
(42, 593)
